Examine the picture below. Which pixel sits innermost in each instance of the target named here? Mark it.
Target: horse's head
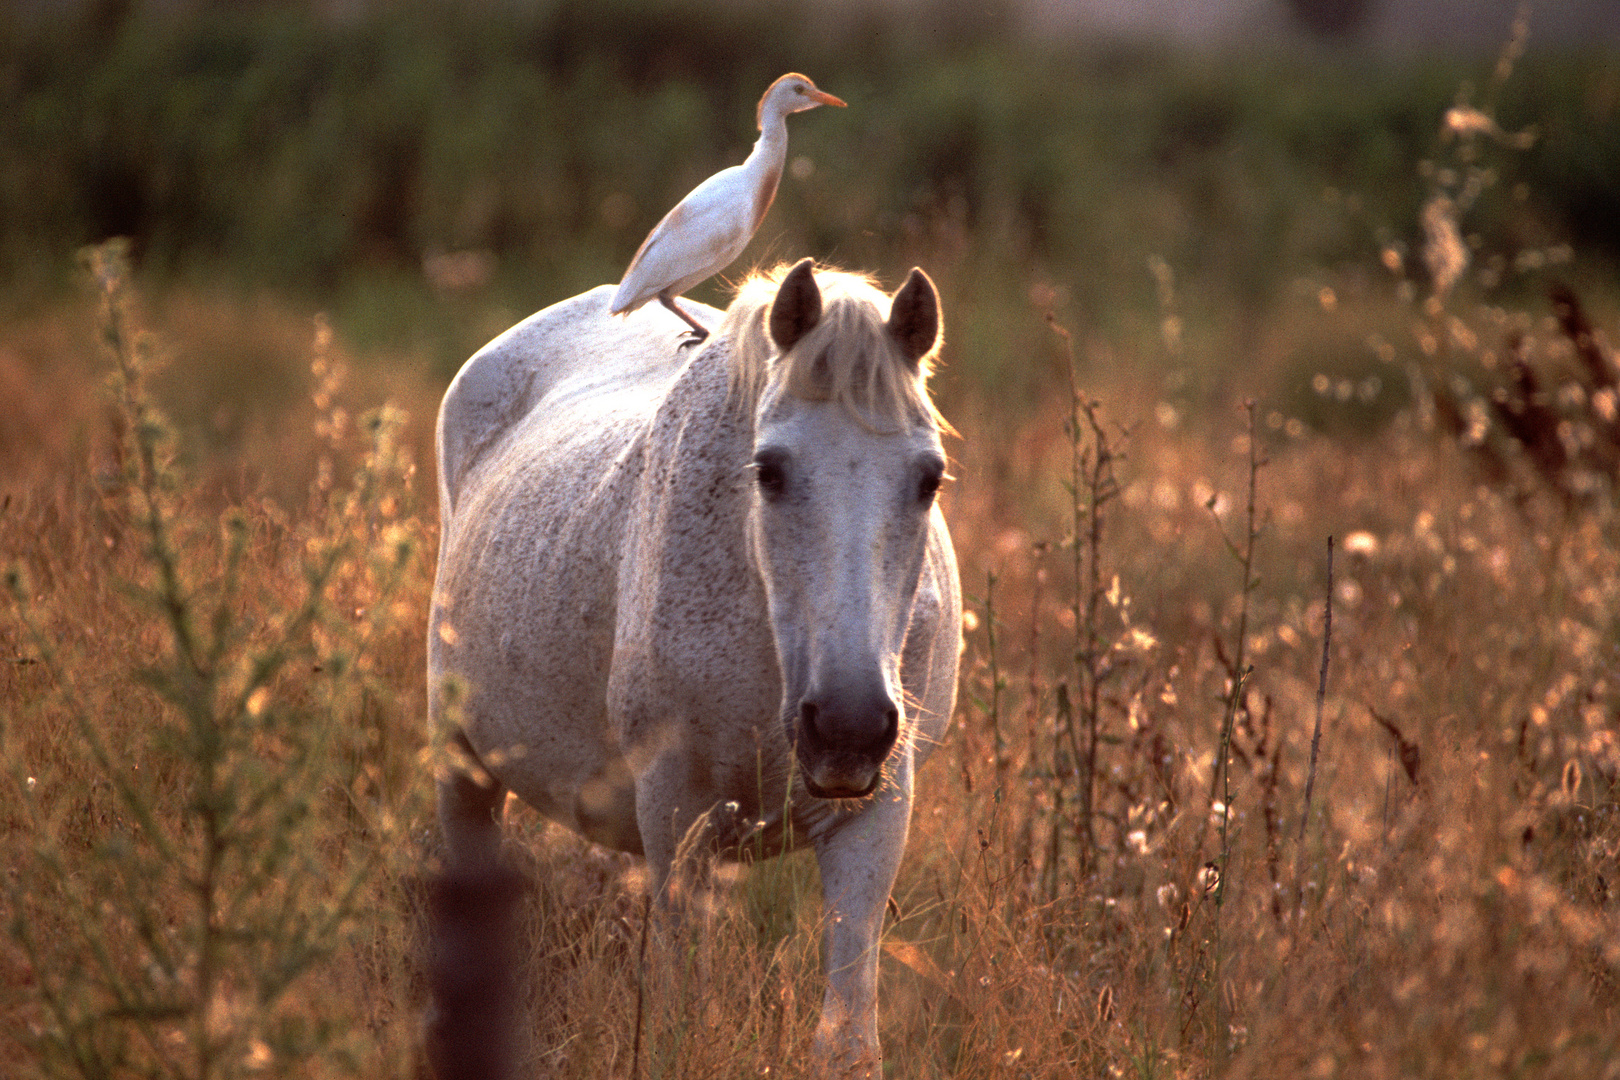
(847, 460)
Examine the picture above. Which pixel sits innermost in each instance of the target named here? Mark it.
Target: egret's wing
(698, 238)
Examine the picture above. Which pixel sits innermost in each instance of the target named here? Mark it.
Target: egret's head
(790, 94)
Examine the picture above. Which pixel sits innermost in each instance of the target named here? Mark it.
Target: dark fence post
(473, 973)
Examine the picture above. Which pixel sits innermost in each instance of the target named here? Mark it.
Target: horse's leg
(470, 809)
(678, 829)
(859, 861)
(677, 832)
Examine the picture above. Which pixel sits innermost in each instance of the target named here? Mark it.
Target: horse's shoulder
(506, 379)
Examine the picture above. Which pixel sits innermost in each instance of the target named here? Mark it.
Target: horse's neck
(691, 509)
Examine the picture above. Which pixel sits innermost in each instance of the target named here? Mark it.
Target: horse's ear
(797, 307)
(914, 316)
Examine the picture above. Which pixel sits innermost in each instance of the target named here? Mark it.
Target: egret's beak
(824, 98)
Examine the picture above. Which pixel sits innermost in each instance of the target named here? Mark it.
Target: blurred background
(428, 172)
(1319, 268)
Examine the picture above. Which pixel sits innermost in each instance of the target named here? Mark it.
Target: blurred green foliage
(332, 158)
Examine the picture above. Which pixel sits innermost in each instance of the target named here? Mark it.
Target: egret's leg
(698, 331)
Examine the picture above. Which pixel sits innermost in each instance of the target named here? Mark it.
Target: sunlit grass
(207, 791)
(1450, 908)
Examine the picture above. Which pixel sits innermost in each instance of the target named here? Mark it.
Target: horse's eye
(928, 486)
(768, 474)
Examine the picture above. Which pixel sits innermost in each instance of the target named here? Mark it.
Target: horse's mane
(848, 357)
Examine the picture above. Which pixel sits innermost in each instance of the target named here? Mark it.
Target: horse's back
(572, 349)
(537, 440)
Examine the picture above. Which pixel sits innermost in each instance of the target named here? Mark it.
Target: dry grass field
(216, 786)
(1288, 741)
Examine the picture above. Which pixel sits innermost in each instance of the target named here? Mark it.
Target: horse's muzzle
(843, 740)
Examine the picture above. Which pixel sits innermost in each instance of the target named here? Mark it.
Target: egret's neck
(770, 149)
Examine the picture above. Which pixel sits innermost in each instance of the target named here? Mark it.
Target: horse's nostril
(860, 730)
(807, 722)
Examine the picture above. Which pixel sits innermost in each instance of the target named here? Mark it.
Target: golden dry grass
(1449, 908)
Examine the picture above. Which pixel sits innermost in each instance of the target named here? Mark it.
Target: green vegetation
(333, 159)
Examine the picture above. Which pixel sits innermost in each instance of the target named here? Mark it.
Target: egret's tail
(624, 300)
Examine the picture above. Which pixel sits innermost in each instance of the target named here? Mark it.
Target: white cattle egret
(711, 226)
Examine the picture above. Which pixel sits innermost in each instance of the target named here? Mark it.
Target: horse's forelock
(865, 372)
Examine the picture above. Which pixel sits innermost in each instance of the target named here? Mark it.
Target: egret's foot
(698, 331)
(692, 337)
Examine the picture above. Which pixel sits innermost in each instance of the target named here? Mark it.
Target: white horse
(710, 588)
